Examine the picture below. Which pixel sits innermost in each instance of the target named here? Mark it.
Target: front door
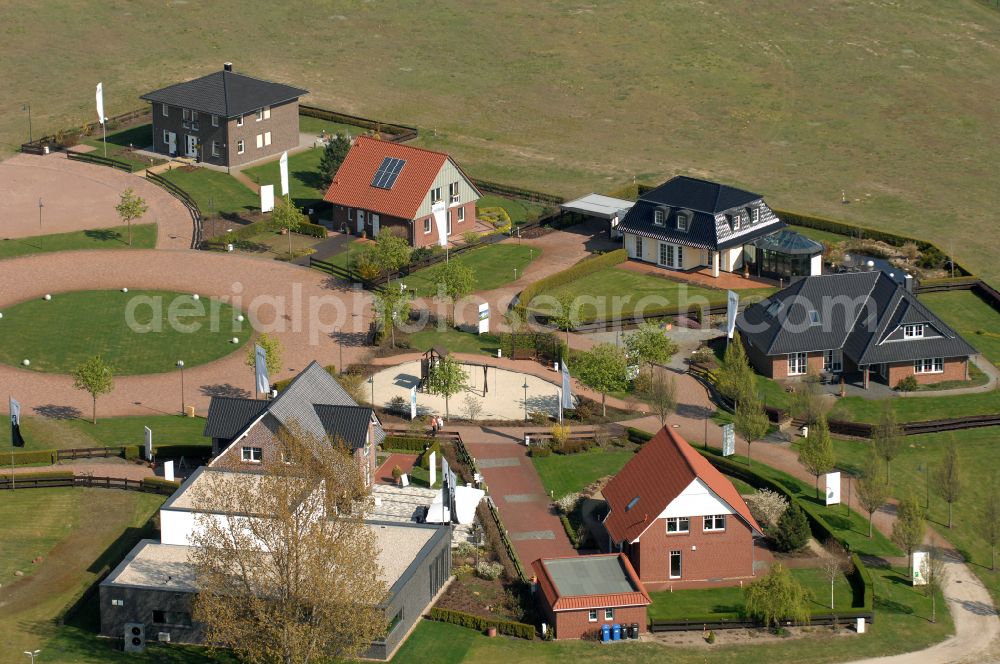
(361, 221)
(374, 225)
(171, 143)
(192, 146)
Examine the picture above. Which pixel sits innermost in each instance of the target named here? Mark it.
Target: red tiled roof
(662, 469)
(598, 601)
(352, 185)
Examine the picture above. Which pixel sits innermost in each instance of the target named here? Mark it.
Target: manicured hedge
(314, 230)
(178, 451)
(159, 482)
(29, 458)
(130, 452)
(405, 443)
(638, 436)
(41, 475)
(479, 623)
(571, 533)
(584, 267)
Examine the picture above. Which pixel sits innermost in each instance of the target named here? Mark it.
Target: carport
(599, 206)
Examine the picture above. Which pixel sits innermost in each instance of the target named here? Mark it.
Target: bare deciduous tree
(289, 572)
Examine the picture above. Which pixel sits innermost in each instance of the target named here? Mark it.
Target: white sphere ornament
(239, 318)
(47, 297)
(26, 362)
(1, 314)
(125, 290)
(195, 297)
(236, 340)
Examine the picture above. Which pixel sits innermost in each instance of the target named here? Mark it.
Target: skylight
(774, 308)
(387, 173)
(813, 317)
(632, 503)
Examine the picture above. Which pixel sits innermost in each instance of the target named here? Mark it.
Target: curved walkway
(79, 196)
(301, 307)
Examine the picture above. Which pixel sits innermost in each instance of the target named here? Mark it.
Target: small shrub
(479, 623)
(711, 636)
(703, 355)
(560, 434)
(425, 458)
(540, 451)
(464, 570)
(792, 532)
(568, 503)
(910, 251)
(406, 443)
(489, 570)
(575, 446)
(471, 237)
(398, 405)
(907, 384)
(584, 410)
(767, 506)
(130, 452)
(539, 418)
(397, 473)
(313, 230)
(465, 549)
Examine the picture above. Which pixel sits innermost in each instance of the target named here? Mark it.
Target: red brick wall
(422, 239)
(576, 624)
(283, 125)
(418, 238)
(955, 368)
(725, 556)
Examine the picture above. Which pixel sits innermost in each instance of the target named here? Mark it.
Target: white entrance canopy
(596, 205)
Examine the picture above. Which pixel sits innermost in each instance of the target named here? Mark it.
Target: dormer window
(660, 217)
(734, 221)
(682, 222)
(913, 331)
(754, 215)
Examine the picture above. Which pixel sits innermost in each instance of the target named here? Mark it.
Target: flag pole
(10, 400)
(104, 128)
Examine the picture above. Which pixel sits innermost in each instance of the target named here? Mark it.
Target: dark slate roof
(349, 423)
(789, 242)
(225, 93)
(228, 416)
(701, 200)
(859, 312)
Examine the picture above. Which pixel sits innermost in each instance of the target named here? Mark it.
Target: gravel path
(78, 196)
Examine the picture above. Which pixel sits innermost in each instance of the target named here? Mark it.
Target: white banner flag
(440, 222)
(732, 305)
(728, 440)
(100, 102)
(148, 447)
(260, 366)
(15, 412)
(567, 389)
(283, 163)
(919, 570)
(833, 488)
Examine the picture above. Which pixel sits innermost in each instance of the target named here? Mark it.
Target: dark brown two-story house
(225, 118)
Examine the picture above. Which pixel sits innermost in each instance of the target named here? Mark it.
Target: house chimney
(227, 66)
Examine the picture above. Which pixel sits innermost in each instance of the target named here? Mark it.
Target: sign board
(149, 444)
(267, 198)
(833, 488)
(413, 403)
(433, 468)
(861, 626)
(732, 305)
(168, 471)
(919, 571)
(440, 222)
(484, 318)
(728, 440)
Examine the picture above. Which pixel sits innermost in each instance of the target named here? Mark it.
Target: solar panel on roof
(387, 173)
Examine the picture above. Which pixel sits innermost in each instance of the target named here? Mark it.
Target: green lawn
(143, 237)
(214, 191)
(57, 335)
(818, 235)
(314, 126)
(519, 210)
(980, 456)
(347, 258)
(454, 341)
(303, 177)
(970, 316)
(616, 291)
(727, 603)
(566, 473)
(494, 266)
(122, 142)
(918, 408)
(67, 430)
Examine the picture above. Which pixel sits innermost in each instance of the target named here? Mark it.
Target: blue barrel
(605, 633)
(616, 632)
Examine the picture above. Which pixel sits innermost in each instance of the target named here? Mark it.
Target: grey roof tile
(228, 416)
(225, 93)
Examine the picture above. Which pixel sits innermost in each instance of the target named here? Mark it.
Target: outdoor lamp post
(27, 107)
(340, 348)
(371, 381)
(180, 365)
(32, 654)
(525, 386)
(40, 206)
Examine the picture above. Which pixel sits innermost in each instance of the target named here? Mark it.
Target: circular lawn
(139, 332)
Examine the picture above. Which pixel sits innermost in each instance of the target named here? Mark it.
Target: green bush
(907, 384)
(130, 452)
(792, 532)
(178, 451)
(638, 436)
(159, 482)
(540, 451)
(571, 274)
(575, 446)
(479, 623)
(30, 458)
(571, 533)
(405, 444)
(314, 230)
(41, 475)
(425, 458)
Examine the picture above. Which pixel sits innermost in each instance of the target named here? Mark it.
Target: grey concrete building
(225, 118)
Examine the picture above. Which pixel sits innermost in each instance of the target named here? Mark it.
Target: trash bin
(605, 633)
(633, 632)
(616, 632)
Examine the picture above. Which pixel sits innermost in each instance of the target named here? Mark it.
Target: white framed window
(215, 120)
(682, 222)
(185, 114)
(737, 222)
(239, 121)
(453, 192)
(435, 195)
(609, 614)
(913, 331)
(659, 217)
(675, 564)
(671, 256)
(929, 365)
(259, 114)
(251, 454)
(260, 141)
(638, 246)
(461, 214)
(592, 615)
(239, 146)
(678, 524)
(797, 363)
(117, 602)
(267, 138)
(754, 215)
(714, 523)
(833, 360)
(427, 225)
(215, 148)
(267, 112)
(166, 137)
(165, 110)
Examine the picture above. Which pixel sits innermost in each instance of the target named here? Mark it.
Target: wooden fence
(188, 202)
(848, 617)
(398, 133)
(100, 161)
(85, 481)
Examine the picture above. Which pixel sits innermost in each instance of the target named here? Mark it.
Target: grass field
(97, 324)
(970, 316)
(569, 111)
(67, 430)
(303, 177)
(121, 143)
(915, 409)
(980, 456)
(143, 237)
(493, 265)
(566, 473)
(214, 191)
(453, 340)
(616, 291)
(519, 210)
(315, 126)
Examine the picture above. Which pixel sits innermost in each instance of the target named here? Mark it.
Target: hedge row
(571, 533)
(637, 436)
(46, 475)
(571, 274)
(159, 482)
(314, 230)
(177, 451)
(479, 623)
(405, 443)
(29, 458)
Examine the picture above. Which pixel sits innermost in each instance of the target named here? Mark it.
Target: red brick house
(580, 594)
(245, 432)
(681, 523)
(386, 185)
(861, 325)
